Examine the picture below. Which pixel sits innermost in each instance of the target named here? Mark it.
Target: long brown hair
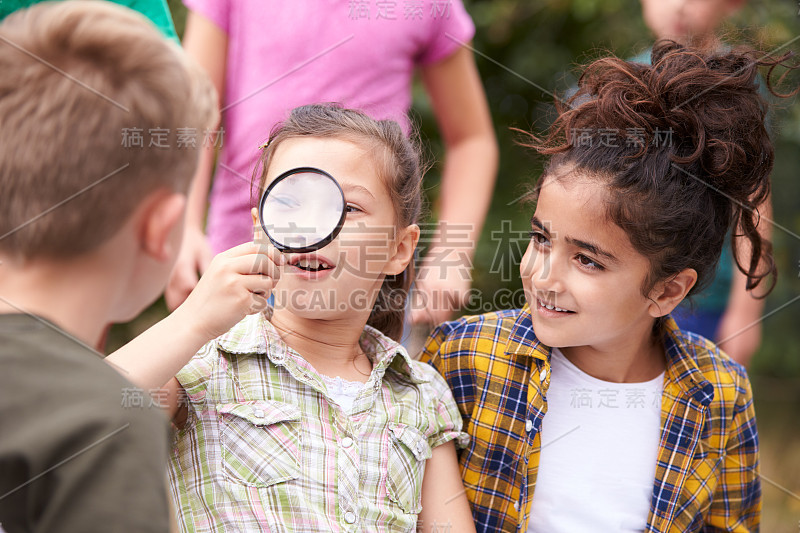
(399, 162)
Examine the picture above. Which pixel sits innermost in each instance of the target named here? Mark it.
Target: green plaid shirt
(266, 448)
(707, 466)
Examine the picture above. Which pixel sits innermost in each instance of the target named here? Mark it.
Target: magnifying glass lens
(302, 210)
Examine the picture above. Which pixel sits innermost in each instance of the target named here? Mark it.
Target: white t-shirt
(599, 451)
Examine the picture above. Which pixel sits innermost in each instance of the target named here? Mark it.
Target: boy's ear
(666, 295)
(406, 243)
(162, 224)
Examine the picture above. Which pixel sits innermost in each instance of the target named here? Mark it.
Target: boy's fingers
(243, 249)
(277, 257)
(257, 263)
(260, 285)
(260, 248)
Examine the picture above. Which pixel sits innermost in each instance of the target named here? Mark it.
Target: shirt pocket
(407, 455)
(260, 442)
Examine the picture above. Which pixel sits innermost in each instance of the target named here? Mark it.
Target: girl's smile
(551, 310)
(311, 266)
(582, 277)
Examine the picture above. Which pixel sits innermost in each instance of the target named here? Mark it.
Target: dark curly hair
(691, 157)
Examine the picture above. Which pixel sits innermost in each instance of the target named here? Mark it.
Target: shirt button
(528, 425)
(543, 374)
(350, 517)
(259, 413)
(516, 506)
(347, 442)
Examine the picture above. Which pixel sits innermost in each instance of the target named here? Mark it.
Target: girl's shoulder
(246, 337)
(704, 368)
(428, 403)
(504, 319)
(249, 335)
(705, 353)
(496, 335)
(400, 372)
(393, 360)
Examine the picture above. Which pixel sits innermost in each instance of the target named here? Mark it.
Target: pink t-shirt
(287, 53)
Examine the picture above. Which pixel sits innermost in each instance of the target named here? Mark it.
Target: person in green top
(725, 312)
(155, 10)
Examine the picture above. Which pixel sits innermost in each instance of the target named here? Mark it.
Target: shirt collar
(389, 354)
(682, 365)
(255, 333)
(522, 340)
(246, 337)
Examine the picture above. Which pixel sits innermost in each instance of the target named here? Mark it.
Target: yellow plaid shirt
(707, 468)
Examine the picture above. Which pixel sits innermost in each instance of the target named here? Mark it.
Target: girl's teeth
(553, 307)
(312, 264)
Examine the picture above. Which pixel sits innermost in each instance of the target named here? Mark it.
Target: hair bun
(691, 155)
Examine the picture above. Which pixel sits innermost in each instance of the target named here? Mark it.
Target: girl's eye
(352, 209)
(539, 238)
(286, 201)
(587, 262)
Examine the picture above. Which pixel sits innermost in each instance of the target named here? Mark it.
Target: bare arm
(238, 282)
(468, 178)
(444, 501)
(739, 333)
(208, 45)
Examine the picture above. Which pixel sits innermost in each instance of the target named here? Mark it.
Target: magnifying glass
(302, 210)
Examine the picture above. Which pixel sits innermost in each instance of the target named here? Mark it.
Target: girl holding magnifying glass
(315, 418)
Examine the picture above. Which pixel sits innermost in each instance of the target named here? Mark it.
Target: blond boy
(90, 224)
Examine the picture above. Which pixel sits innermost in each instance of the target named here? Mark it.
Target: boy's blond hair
(82, 82)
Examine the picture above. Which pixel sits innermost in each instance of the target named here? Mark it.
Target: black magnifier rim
(316, 246)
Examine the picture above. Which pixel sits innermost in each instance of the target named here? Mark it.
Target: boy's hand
(238, 282)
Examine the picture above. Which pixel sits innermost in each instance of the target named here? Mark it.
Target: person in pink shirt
(267, 57)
